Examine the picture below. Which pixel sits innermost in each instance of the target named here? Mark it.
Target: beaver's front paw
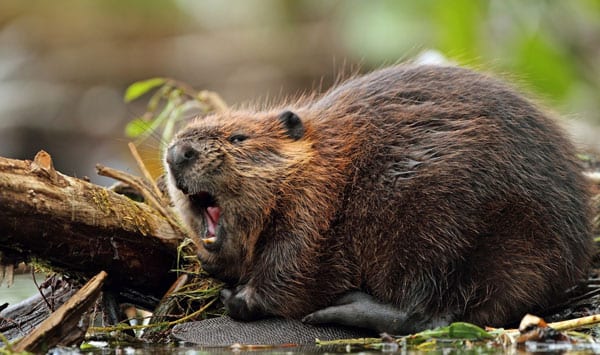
(214, 266)
(210, 263)
(242, 303)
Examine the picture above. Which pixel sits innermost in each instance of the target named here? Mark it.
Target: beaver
(403, 199)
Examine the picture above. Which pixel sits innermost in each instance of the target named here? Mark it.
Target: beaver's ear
(292, 124)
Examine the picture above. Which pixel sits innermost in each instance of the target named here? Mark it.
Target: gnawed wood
(79, 229)
(63, 326)
(21, 318)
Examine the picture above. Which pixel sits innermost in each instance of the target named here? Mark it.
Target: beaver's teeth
(209, 240)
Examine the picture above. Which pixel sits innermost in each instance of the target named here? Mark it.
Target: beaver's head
(225, 175)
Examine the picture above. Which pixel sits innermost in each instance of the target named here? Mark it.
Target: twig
(576, 323)
(40, 291)
(197, 313)
(135, 182)
(356, 341)
(146, 326)
(214, 99)
(138, 184)
(142, 167)
(593, 177)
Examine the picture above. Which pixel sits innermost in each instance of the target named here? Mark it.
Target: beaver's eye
(237, 138)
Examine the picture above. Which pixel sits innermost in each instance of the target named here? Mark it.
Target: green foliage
(454, 331)
(449, 337)
(136, 128)
(545, 65)
(458, 27)
(167, 106)
(7, 349)
(139, 88)
(549, 45)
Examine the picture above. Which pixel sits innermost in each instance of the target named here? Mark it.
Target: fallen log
(78, 228)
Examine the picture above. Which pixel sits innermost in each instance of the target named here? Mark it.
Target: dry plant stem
(135, 182)
(190, 316)
(566, 325)
(142, 167)
(40, 291)
(193, 315)
(571, 324)
(576, 323)
(149, 197)
(165, 308)
(62, 326)
(357, 341)
(214, 99)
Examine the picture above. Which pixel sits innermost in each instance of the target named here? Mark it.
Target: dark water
(445, 349)
(191, 349)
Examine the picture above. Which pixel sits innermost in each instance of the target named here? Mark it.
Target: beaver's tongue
(212, 219)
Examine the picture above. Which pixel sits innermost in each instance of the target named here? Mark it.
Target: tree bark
(79, 229)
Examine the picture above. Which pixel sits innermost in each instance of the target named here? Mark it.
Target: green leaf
(142, 129)
(458, 330)
(156, 98)
(137, 128)
(139, 88)
(87, 347)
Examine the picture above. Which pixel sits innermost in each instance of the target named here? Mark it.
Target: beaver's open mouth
(206, 205)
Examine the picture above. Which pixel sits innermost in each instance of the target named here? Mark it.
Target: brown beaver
(403, 199)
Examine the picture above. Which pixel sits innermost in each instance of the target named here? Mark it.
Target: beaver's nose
(180, 155)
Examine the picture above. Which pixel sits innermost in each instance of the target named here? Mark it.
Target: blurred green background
(64, 64)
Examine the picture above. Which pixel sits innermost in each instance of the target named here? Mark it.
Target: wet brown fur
(436, 189)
